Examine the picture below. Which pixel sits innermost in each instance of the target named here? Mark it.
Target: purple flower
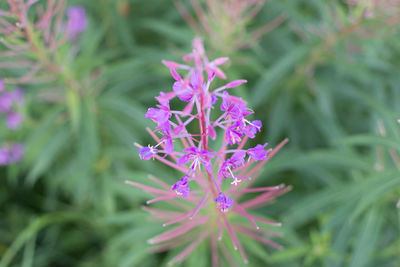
(233, 136)
(252, 128)
(18, 96)
(165, 128)
(234, 107)
(192, 129)
(183, 90)
(258, 152)
(16, 152)
(4, 156)
(11, 154)
(77, 21)
(196, 156)
(147, 152)
(224, 202)
(236, 160)
(13, 120)
(6, 102)
(164, 98)
(181, 187)
(159, 116)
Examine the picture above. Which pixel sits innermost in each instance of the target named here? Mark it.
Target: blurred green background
(325, 74)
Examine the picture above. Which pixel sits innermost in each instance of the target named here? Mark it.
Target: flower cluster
(9, 101)
(224, 22)
(33, 43)
(205, 162)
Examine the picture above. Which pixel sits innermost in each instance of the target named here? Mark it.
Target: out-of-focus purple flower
(13, 120)
(11, 153)
(4, 156)
(77, 21)
(258, 152)
(181, 187)
(224, 202)
(6, 102)
(147, 152)
(18, 96)
(16, 152)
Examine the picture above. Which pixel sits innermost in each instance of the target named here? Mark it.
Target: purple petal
(238, 157)
(235, 83)
(146, 153)
(6, 101)
(224, 202)
(181, 187)
(77, 21)
(16, 153)
(13, 120)
(258, 152)
(4, 156)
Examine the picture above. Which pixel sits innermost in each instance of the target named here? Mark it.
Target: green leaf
(49, 153)
(367, 239)
(277, 73)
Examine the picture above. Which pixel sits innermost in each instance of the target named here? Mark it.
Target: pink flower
(198, 157)
(77, 21)
(13, 120)
(181, 187)
(258, 152)
(206, 208)
(224, 202)
(147, 152)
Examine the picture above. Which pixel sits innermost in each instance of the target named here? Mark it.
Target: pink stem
(183, 255)
(214, 251)
(196, 210)
(238, 209)
(265, 221)
(242, 143)
(231, 233)
(162, 214)
(160, 199)
(167, 162)
(148, 188)
(177, 231)
(159, 141)
(257, 237)
(177, 219)
(273, 152)
(159, 182)
(264, 198)
(227, 255)
(259, 189)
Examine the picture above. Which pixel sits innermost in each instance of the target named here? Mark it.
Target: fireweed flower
(76, 22)
(9, 103)
(214, 178)
(11, 153)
